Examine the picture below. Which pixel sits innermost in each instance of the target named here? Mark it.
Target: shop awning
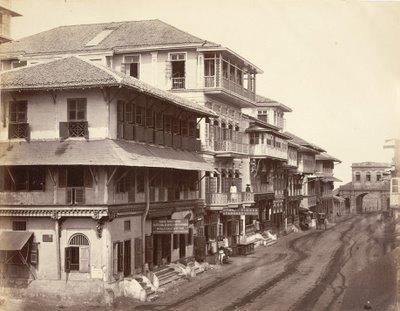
(106, 152)
(14, 240)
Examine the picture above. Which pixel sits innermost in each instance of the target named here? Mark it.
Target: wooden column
(146, 211)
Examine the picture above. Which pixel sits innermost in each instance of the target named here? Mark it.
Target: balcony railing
(263, 188)
(178, 83)
(220, 199)
(75, 195)
(268, 150)
(238, 89)
(231, 146)
(74, 129)
(18, 130)
(309, 201)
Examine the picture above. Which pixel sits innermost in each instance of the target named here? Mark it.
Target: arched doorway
(359, 203)
(347, 205)
(77, 254)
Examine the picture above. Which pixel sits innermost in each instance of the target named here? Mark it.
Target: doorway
(161, 248)
(127, 257)
(182, 245)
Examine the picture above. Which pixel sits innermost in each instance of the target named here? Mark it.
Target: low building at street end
(369, 189)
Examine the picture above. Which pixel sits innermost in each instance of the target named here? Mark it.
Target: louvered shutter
(149, 249)
(67, 259)
(213, 185)
(84, 259)
(64, 131)
(120, 257)
(34, 258)
(115, 258)
(68, 198)
(138, 253)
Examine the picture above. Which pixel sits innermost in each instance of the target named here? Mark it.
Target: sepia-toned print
(213, 155)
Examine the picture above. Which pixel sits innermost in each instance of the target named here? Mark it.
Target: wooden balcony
(228, 147)
(263, 188)
(74, 129)
(265, 150)
(18, 130)
(217, 201)
(309, 201)
(224, 87)
(178, 83)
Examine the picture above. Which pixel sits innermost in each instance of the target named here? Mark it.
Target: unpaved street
(337, 269)
(313, 271)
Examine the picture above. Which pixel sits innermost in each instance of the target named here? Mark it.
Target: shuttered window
(138, 253)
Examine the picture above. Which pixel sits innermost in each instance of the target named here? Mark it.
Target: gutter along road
(337, 269)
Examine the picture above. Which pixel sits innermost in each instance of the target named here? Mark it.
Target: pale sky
(335, 63)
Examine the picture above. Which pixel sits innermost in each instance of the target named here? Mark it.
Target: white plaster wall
(86, 226)
(47, 261)
(44, 115)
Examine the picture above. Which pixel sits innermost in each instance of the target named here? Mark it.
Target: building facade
(369, 189)
(164, 153)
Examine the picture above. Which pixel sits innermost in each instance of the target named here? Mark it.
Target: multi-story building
(242, 142)
(211, 75)
(97, 174)
(5, 20)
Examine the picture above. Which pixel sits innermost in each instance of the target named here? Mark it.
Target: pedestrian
(221, 255)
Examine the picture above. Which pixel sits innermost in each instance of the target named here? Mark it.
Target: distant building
(369, 189)
(5, 19)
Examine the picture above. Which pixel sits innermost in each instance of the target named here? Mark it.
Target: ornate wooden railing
(18, 130)
(178, 83)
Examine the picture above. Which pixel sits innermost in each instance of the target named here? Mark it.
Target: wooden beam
(11, 176)
(93, 174)
(111, 177)
(51, 176)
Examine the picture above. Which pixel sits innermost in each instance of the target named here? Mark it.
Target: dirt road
(337, 269)
(314, 271)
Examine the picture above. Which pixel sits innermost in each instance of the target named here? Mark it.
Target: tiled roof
(302, 142)
(99, 152)
(129, 34)
(326, 157)
(262, 101)
(348, 186)
(371, 164)
(74, 72)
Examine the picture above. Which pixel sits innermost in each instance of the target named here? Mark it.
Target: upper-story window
(131, 65)
(178, 70)
(22, 178)
(368, 176)
(77, 125)
(209, 69)
(18, 126)
(76, 109)
(378, 176)
(358, 176)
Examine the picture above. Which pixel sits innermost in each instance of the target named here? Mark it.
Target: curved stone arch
(359, 202)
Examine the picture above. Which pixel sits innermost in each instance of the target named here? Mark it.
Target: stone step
(167, 275)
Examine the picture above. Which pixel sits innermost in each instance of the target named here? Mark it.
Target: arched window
(77, 254)
(358, 176)
(368, 176)
(78, 240)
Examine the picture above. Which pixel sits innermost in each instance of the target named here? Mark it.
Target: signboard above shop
(171, 226)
